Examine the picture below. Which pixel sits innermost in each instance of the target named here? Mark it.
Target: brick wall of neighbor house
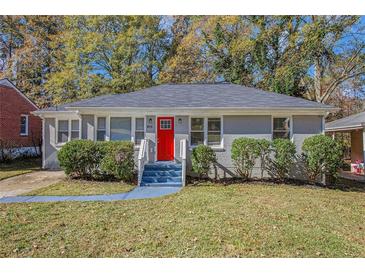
(12, 106)
(356, 146)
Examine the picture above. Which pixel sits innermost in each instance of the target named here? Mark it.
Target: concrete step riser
(162, 167)
(161, 184)
(170, 173)
(161, 179)
(162, 175)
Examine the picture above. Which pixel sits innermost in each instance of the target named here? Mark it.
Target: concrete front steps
(162, 174)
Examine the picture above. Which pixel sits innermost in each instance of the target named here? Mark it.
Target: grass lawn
(18, 167)
(242, 220)
(79, 187)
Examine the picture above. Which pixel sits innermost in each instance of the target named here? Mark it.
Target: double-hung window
(206, 131)
(100, 129)
(197, 131)
(139, 131)
(281, 128)
(214, 131)
(62, 134)
(75, 129)
(23, 125)
(68, 130)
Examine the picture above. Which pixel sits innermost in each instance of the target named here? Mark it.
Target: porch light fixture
(150, 121)
(179, 121)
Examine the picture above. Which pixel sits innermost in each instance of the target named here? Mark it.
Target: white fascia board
(199, 111)
(345, 128)
(53, 114)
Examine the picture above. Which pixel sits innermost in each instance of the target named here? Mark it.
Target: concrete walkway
(28, 182)
(137, 193)
(351, 176)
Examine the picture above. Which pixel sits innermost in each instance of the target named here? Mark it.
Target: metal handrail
(183, 143)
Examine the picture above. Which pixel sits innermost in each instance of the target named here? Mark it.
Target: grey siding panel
(247, 125)
(181, 132)
(88, 127)
(305, 126)
(253, 126)
(50, 149)
(151, 136)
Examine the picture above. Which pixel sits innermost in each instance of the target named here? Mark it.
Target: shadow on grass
(340, 184)
(24, 163)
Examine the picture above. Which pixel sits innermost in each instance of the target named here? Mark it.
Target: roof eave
(345, 128)
(42, 113)
(326, 109)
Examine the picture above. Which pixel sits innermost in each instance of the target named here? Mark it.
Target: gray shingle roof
(353, 121)
(197, 96)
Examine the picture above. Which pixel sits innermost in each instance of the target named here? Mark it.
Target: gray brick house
(165, 122)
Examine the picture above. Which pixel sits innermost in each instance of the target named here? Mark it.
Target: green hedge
(118, 160)
(98, 160)
(283, 158)
(80, 158)
(203, 157)
(321, 155)
(277, 157)
(244, 153)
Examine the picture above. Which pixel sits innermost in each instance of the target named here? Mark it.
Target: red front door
(165, 138)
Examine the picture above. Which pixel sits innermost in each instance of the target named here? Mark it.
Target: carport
(354, 125)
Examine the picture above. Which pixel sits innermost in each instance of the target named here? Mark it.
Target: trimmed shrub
(203, 157)
(118, 160)
(264, 154)
(244, 153)
(97, 160)
(321, 155)
(80, 158)
(282, 159)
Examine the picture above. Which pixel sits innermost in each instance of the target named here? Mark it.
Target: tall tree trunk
(318, 74)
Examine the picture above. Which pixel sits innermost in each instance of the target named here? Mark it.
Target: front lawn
(80, 187)
(18, 167)
(246, 220)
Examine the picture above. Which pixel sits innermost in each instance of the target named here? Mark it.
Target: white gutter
(42, 114)
(205, 108)
(346, 128)
(200, 111)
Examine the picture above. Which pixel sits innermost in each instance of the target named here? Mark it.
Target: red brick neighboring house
(18, 127)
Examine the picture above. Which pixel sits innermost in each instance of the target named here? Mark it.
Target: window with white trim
(100, 129)
(206, 131)
(120, 128)
(75, 129)
(62, 132)
(139, 131)
(197, 131)
(24, 125)
(281, 128)
(214, 131)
